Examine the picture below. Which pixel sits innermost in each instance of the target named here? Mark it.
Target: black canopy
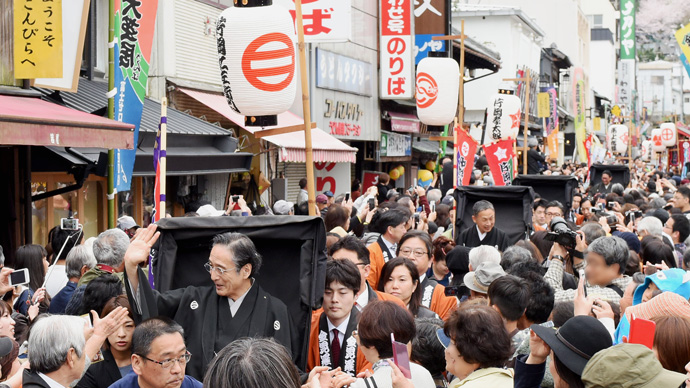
(293, 250)
(513, 205)
(620, 173)
(550, 187)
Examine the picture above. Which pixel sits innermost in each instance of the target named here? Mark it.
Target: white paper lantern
(503, 117)
(438, 81)
(646, 150)
(618, 139)
(668, 134)
(657, 142)
(256, 53)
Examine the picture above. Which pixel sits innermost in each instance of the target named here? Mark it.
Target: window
(596, 21)
(657, 80)
(687, 100)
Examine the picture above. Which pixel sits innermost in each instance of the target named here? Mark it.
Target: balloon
(424, 178)
(430, 165)
(401, 169)
(394, 174)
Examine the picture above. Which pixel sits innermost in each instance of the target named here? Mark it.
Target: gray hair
(657, 203)
(147, 331)
(651, 224)
(592, 230)
(617, 188)
(482, 254)
(50, 340)
(242, 249)
(613, 249)
(78, 257)
(252, 363)
(434, 195)
(110, 247)
(480, 206)
(514, 254)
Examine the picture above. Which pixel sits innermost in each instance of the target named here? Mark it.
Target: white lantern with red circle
(657, 141)
(503, 117)
(256, 53)
(669, 134)
(646, 150)
(436, 90)
(618, 139)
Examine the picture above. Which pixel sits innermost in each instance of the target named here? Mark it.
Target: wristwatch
(558, 257)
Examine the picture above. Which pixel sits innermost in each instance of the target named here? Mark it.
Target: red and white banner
(397, 50)
(467, 149)
(324, 20)
(500, 157)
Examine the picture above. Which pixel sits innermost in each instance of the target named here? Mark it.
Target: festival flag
(160, 167)
(467, 149)
(588, 149)
(552, 142)
(500, 157)
(135, 22)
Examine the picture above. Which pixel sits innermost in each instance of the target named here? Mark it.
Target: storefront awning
(32, 121)
(430, 147)
(404, 122)
(291, 146)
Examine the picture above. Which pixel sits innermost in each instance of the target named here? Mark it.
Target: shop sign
(37, 39)
(397, 69)
(369, 178)
(430, 19)
(340, 110)
(626, 81)
(423, 44)
(345, 74)
(333, 177)
(324, 20)
(394, 144)
(627, 29)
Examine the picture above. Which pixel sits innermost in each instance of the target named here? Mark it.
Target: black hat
(576, 341)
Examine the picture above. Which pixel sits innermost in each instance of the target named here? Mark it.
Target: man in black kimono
(603, 187)
(212, 317)
(483, 232)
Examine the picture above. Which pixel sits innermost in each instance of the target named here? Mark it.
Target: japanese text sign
(683, 38)
(627, 29)
(393, 144)
(37, 39)
(500, 157)
(543, 105)
(324, 20)
(338, 72)
(397, 68)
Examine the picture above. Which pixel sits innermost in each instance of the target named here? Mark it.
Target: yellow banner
(597, 124)
(543, 105)
(552, 142)
(37, 39)
(683, 38)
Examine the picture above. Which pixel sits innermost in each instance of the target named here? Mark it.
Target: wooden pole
(306, 109)
(528, 84)
(461, 104)
(111, 113)
(163, 159)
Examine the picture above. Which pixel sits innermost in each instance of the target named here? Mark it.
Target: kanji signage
(345, 74)
(627, 24)
(324, 20)
(430, 19)
(393, 144)
(500, 157)
(397, 68)
(333, 177)
(37, 39)
(340, 112)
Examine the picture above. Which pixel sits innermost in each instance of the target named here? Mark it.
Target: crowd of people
(598, 293)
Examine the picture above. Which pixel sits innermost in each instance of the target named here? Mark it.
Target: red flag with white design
(467, 149)
(500, 157)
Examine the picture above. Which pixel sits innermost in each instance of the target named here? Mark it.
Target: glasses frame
(167, 364)
(415, 253)
(210, 268)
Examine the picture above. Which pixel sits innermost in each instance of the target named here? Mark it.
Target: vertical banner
(500, 157)
(552, 142)
(467, 149)
(37, 39)
(552, 120)
(588, 149)
(397, 50)
(683, 39)
(543, 109)
(579, 112)
(430, 19)
(135, 22)
(626, 66)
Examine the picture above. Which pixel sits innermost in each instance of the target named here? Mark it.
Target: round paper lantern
(618, 139)
(657, 141)
(503, 117)
(668, 134)
(256, 53)
(437, 85)
(646, 150)
(394, 174)
(430, 165)
(424, 178)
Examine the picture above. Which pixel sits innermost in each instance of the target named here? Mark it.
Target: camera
(632, 215)
(611, 218)
(561, 233)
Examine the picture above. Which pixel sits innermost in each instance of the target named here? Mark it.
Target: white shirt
(481, 235)
(342, 328)
(51, 383)
(235, 304)
(392, 247)
(362, 299)
(422, 277)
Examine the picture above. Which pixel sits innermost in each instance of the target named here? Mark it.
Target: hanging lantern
(256, 53)
(669, 134)
(618, 139)
(646, 150)
(437, 85)
(503, 117)
(657, 141)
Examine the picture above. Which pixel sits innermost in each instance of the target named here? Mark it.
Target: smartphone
(401, 357)
(235, 198)
(432, 205)
(642, 332)
(19, 276)
(69, 223)
(583, 276)
(372, 204)
(611, 205)
(347, 197)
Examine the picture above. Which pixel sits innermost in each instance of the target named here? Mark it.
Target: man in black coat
(483, 232)
(603, 187)
(535, 161)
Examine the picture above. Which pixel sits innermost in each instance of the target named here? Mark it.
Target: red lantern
(657, 141)
(503, 117)
(256, 53)
(438, 81)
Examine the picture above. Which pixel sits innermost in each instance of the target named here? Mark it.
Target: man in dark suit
(484, 231)
(604, 187)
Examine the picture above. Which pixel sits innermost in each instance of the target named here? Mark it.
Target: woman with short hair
(399, 277)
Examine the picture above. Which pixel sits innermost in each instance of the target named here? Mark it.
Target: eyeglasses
(219, 271)
(166, 364)
(415, 252)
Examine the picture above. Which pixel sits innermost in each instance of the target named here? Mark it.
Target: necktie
(394, 248)
(335, 349)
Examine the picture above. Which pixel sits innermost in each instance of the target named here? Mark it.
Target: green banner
(627, 32)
